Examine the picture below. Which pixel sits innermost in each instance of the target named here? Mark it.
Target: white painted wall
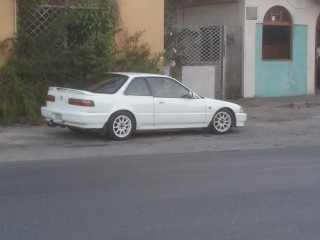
(304, 12)
(221, 14)
(201, 79)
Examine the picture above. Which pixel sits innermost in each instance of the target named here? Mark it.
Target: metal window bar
(42, 16)
(203, 46)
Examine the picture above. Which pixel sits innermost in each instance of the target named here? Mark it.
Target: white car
(127, 102)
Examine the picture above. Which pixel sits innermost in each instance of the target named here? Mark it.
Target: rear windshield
(110, 84)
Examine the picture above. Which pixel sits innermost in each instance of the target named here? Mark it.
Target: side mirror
(191, 94)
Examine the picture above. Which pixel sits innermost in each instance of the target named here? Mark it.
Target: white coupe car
(127, 102)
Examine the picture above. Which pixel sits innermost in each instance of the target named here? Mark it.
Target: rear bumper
(241, 118)
(75, 119)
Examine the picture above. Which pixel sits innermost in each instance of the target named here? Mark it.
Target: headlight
(241, 110)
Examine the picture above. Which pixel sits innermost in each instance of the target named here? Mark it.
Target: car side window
(110, 84)
(167, 88)
(138, 87)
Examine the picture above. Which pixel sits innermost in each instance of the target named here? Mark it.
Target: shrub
(17, 98)
(135, 57)
(46, 59)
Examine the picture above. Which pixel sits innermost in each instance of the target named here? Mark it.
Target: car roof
(137, 74)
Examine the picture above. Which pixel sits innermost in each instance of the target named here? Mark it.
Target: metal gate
(202, 46)
(42, 16)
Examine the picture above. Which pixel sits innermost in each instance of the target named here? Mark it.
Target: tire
(121, 125)
(222, 122)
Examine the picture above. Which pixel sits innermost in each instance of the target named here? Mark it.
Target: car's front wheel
(121, 125)
(222, 121)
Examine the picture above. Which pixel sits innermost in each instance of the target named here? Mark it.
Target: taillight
(51, 98)
(81, 102)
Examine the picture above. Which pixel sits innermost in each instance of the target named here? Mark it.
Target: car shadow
(93, 138)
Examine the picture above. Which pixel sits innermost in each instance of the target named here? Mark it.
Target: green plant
(135, 57)
(17, 99)
(71, 47)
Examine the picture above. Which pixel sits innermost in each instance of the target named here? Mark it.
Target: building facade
(280, 48)
(269, 47)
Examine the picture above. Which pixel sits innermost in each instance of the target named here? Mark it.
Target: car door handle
(162, 102)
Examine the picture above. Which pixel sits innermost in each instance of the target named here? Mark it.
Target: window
(64, 2)
(277, 34)
(210, 38)
(109, 85)
(167, 88)
(84, 20)
(138, 87)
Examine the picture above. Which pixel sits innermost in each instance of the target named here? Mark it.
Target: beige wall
(143, 15)
(7, 21)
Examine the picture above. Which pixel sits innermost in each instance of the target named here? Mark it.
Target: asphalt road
(259, 182)
(258, 194)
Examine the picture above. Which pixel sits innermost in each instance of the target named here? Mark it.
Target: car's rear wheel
(121, 125)
(222, 121)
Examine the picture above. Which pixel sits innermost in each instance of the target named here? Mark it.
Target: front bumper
(240, 119)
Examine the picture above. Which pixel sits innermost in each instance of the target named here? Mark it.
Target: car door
(174, 107)
(138, 96)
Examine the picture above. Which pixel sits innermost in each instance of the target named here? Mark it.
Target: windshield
(110, 84)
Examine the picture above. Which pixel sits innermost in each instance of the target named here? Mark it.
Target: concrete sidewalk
(277, 102)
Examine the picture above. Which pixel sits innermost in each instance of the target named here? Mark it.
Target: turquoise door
(283, 77)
